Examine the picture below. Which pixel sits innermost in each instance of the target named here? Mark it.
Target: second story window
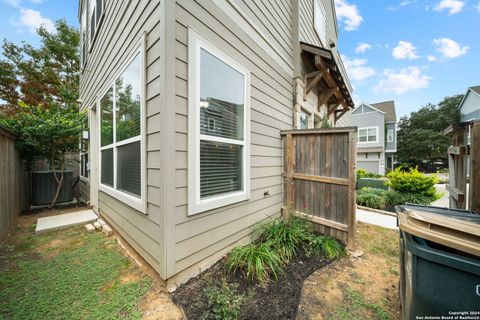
(367, 135)
(319, 21)
(95, 14)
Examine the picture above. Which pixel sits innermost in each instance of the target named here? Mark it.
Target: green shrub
(372, 198)
(412, 181)
(223, 302)
(378, 183)
(258, 259)
(395, 198)
(327, 246)
(361, 173)
(287, 238)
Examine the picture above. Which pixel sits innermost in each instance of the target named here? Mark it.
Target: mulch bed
(275, 300)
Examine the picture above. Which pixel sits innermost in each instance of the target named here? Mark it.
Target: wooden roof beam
(315, 77)
(326, 96)
(338, 115)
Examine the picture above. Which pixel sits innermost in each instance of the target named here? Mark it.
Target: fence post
(475, 168)
(352, 205)
(290, 183)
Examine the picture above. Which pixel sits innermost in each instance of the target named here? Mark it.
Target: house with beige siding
(186, 101)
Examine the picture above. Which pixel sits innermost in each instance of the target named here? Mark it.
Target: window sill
(132, 201)
(217, 202)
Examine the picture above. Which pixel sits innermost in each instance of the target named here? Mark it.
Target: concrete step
(65, 220)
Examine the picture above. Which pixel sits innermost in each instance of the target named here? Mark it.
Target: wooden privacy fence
(12, 195)
(464, 159)
(319, 179)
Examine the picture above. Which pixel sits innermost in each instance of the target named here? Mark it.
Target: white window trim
(299, 115)
(138, 203)
(195, 204)
(80, 154)
(367, 128)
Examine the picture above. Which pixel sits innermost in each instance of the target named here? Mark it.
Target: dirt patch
(158, 306)
(275, 300)
(364, 287)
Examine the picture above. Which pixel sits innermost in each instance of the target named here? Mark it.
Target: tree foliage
(46, 133)
(420, 136)
(41, 76)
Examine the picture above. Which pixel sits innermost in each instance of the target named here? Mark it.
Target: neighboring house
(377, 135)
(186, 102)
(470, 112)
(470, 105)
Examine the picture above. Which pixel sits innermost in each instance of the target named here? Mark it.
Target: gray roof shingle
(476, 89)
(389, 108)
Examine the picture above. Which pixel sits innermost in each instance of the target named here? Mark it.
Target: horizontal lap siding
(84, 189)
(210, 233)
(124, 24)
(274, 18)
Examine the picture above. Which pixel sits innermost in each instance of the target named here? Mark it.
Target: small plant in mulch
(223, 301)
(261, 280)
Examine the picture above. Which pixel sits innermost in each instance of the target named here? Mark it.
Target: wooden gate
(461, 156)
(319, 179)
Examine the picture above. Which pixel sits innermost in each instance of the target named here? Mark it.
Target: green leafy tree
(44, 75)
(46, 133)
(420, 136)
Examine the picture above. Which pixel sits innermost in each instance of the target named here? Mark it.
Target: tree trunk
(59, 180)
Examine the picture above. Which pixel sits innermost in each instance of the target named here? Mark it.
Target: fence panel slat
(319, 178)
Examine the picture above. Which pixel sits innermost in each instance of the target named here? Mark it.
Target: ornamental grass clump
(276, 245)
(258, 260)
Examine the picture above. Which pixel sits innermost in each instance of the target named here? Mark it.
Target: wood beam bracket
(311, 80)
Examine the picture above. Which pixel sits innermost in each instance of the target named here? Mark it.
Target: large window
(319, 21)
(218, 127)
(368, 135)
(121, 160)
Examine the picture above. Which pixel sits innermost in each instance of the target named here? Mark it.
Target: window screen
(222, 94)
(220, 171)
(129, 168)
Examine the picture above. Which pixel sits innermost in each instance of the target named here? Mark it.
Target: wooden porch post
(352, 203)
(475, 168)
(290, 192)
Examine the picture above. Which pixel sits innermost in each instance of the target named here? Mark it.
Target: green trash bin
(439, 264)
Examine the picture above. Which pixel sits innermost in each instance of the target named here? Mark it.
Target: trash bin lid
(458, 229)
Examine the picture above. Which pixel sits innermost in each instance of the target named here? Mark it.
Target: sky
(412, 51)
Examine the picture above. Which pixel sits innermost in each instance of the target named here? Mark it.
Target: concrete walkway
(65, 220)
(377, 219)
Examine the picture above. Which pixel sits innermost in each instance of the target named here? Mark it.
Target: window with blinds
(218, 147)
(120, 132)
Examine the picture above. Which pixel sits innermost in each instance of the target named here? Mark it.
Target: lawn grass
(69, 274)
(357, 307)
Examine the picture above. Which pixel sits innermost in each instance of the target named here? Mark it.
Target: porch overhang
(334, 90)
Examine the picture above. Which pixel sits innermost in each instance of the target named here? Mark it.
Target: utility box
(44, 187)
(439, 262)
